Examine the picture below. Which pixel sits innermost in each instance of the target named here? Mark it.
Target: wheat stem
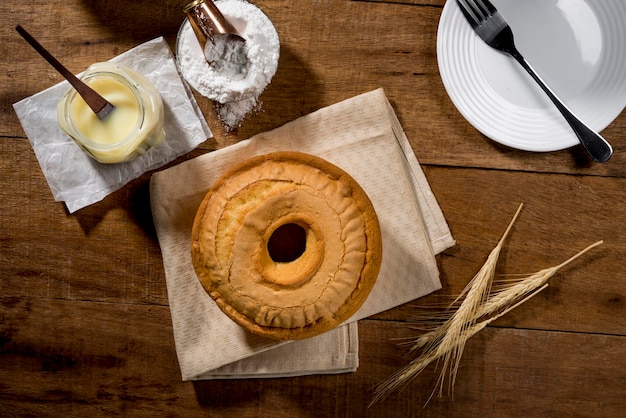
(478, 306)
(475, 294)
(447, 341)
(510, 293)
(405, 374)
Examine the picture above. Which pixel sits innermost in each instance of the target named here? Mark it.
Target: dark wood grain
(85, 327)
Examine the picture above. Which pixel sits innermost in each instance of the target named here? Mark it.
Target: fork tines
(477, 11)
(484, 18)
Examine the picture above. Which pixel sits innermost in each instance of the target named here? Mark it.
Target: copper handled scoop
(209, 23)
(96, 102)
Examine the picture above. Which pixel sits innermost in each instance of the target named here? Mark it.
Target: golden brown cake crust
(299, 298)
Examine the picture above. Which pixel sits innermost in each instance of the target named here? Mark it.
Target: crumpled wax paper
(77, 179)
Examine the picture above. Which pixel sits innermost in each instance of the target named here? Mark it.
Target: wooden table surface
(85, 327)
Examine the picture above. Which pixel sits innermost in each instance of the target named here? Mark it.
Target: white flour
(234, 85)
(228, 54)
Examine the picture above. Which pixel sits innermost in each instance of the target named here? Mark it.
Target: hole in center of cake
(287, 243)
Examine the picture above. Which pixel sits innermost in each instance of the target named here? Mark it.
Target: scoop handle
(96, 102)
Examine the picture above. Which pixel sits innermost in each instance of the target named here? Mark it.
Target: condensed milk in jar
(130, 130)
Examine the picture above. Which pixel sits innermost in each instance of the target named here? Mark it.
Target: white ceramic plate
(577, 46)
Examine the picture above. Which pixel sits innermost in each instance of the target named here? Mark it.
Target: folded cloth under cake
(362, 136)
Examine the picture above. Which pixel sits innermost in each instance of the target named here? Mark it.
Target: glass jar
(130, 130)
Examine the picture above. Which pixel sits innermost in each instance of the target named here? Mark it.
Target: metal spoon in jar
(96, 102)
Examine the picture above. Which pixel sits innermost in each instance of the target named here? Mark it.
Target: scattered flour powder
(235, 84)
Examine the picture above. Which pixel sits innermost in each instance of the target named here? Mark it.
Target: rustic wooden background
(85, 328)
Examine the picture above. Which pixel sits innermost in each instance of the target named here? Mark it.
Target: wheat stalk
(525, 285)
(447, 340)
(403, 376)
(474, 294)
(509, 294)
(478, 307)
(465, 316)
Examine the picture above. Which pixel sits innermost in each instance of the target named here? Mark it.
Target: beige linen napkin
(361, 135)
